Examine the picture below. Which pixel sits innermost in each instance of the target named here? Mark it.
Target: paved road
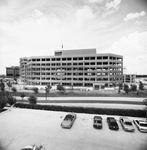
(89, 100)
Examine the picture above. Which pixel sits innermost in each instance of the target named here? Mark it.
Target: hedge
(103, 111)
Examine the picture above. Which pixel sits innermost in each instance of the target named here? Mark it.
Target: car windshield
(114, 123)
(68, 117)
(97, 121)
(128, 123)
(143, 124)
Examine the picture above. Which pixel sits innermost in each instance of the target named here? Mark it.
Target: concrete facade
(12, 72)
(77, 68)
(129, 78)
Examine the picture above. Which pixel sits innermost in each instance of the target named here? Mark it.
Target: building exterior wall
(12, 72)
(83, 68)
(129, 78)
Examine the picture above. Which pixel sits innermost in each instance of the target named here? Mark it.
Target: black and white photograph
(73, 74)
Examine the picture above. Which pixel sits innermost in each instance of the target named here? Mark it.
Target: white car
(68, 121)
(141, 125)
(127, 124)
(29, 147)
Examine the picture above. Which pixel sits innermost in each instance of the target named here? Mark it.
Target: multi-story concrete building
(129, 78)
(77, 68)
(12, 72)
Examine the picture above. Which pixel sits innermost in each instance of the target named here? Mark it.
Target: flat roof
(75, 52)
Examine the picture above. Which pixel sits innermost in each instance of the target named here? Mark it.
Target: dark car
(97, 122)
(112, 123)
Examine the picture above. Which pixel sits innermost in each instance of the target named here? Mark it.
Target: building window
(99, 58)
(99, 63)
(75, 58)
(63, 59)
(105, 63)
(80, 58)
(92, 58)
(86, 58)
(105, 57)
(68, 59)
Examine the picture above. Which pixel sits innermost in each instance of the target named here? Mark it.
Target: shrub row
(104, 111)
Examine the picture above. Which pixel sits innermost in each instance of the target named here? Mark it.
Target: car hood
(98, 124)
(66, 122)
(129, 127)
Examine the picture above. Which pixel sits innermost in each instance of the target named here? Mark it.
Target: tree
(120, 87)
(71, 88)
(22, 95)
(3, 100)
(141, 86)
(14, 89)
(126, 88)
(133, 87)
(32, 99)
(2, 85)
(11, 100)
(60, 88)
(35, 89)
(9, 84)
(47, 90)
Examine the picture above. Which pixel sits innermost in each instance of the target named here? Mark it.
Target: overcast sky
(38, 27)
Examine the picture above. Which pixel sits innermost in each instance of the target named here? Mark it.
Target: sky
(39, 27)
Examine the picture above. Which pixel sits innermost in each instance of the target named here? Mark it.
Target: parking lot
(20, 127)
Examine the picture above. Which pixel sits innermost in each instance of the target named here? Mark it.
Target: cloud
(133, 48)
(132, 16)
(96, 1)
(83, 14)
(38, 13)
(113, 4)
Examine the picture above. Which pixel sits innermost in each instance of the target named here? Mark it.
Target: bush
(11, 100)
(32, 99)
(22, 95)
(2, 85)
(126, 88)
(14, 89)
(35, 89)
(3, 100)
(2, 147)
(60, 88)
(105, 111)
(133, 87)
(141, 86)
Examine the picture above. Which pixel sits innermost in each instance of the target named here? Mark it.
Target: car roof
(71, 114)
(126, 119)
(28, 147)
(111, 118)
(142, 121)
(97, 117)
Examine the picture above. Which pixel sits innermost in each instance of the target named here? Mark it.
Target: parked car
(68, 121)
(29, 147)
(112, 123)
(97, 122)
(141, 125)
(127, 124)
